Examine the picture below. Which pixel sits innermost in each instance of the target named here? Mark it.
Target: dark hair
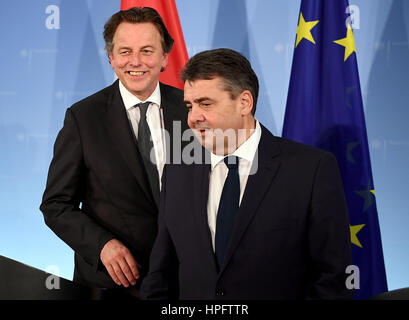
(227, 64)
(137, 15)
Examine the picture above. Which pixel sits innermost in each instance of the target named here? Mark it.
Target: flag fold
(325, 109)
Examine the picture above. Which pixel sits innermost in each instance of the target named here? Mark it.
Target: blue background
(44, 71)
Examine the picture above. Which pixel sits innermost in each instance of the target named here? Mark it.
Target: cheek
(155, 62)
(118, 62)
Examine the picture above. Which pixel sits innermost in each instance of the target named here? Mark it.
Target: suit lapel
(118, 127)
(256, 188)
(173, 112)
(200, 198)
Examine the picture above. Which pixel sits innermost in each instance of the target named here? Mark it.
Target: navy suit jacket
(290, 239)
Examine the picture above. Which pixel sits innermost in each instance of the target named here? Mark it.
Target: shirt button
(219, 292)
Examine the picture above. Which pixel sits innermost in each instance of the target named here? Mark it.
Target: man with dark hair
(264, 219)
(103, 184)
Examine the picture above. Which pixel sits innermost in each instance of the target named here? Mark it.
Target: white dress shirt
(218, 174)
(154, 118)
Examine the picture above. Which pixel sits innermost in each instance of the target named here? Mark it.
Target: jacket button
(219, 292)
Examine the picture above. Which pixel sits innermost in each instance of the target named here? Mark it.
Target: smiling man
(265, 219)
(138, 56)
(103, 184)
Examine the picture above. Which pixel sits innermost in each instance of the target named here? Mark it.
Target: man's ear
(110, 58)
(246, 102)
(164, 62)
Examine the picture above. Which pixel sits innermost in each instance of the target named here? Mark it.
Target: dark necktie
(228, 207)
(145, 146)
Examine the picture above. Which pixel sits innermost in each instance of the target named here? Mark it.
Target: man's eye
(146, 51)
(124, 52)
(189, 107)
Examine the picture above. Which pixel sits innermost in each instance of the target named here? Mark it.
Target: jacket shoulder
(170, 90)
(293, 149)
(95, 101)
(171, 95)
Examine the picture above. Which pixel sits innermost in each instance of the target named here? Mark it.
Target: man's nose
(195, 115)
(135, 59)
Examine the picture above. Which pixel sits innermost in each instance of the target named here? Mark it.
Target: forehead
(202, 87)
(144, 33)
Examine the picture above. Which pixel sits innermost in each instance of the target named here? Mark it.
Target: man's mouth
(136, 73)
(202, 131)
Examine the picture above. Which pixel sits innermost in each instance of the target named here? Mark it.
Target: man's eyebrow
(129, 48)
(198, 100)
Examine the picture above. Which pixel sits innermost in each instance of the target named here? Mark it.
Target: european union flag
(324, 109)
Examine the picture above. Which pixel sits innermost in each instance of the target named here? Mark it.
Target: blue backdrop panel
(53, 55)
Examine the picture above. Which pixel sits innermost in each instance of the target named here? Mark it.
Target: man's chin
(208, 140)
(203, 140)
(218, 149)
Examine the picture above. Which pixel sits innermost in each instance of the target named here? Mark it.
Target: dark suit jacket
(97, 187)
(290, 239)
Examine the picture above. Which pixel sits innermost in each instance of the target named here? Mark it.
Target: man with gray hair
(265, 219)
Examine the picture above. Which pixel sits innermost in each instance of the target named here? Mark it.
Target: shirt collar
(246, 151)
(130, 100)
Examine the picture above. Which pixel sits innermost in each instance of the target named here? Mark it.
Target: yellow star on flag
(304, 30)
(348, 43)
(354, 230)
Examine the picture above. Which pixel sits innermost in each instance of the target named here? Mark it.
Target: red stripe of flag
(178, 56)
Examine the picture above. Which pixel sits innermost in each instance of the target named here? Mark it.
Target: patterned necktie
(146, 149)
(228, 207)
